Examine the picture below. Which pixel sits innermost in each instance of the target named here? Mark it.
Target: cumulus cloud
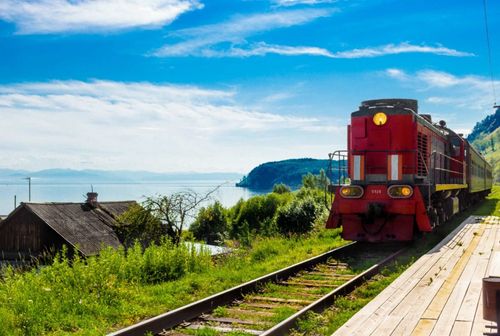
(118, 125)
(69, 16)
(467, 98)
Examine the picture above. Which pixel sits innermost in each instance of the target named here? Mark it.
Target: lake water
(227, 193)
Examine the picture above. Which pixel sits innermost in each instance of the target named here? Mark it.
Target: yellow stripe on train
(441, 187)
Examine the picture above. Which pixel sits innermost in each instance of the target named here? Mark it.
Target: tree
(210, 224)
(174, 210)
(138, 224)
(256, 215)
(297, 217)
(281, 188)
(319, 181)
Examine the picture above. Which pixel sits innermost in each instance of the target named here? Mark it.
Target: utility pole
(29, 187)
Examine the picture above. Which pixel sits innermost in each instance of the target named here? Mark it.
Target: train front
(381, 202)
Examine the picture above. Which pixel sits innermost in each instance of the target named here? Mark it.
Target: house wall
(24, 234)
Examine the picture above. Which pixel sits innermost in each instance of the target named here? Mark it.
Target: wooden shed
(33, 228)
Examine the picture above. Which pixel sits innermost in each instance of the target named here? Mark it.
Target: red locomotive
(407, 174)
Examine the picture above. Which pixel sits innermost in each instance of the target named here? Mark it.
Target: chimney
(92, 199)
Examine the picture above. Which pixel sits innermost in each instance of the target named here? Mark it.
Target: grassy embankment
(344, 308)
(115, 290)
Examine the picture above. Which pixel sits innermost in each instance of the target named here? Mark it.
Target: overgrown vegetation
(76, 294)
(153, 273)
(116, 289)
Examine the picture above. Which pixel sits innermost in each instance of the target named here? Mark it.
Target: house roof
(85, 227)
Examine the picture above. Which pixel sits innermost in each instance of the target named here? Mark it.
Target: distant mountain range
(289, 172)
(10, 176)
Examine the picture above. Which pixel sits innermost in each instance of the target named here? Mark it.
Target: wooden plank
(479, 325)
(494, 267)
(414, 305)
(424, 327)
(471, 300)
(239, 312)
(225, 329)
(439, 301)
(436, 306)
(449, 313)
(461, 328)
(375, 312)
(272, 299)
(385, 328)
(231, 320)
(308, 284)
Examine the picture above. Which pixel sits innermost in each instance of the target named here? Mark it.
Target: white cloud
(402, 48)
(301, 2)
(115, 125)
(261, 49)
(445, 80)
(211, 41)
(200, 40)
(70, 16)
(397, 73)
(461, 100)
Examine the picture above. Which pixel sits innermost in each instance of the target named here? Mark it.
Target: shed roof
(85, 227)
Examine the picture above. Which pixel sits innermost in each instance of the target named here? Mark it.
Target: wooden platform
(440, 294)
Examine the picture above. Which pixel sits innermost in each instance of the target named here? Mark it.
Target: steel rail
(177, 316)
(328, 300)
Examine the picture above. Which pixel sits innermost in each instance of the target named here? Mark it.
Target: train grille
(422, 145)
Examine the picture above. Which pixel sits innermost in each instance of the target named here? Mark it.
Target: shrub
(257, 214)
(319, 181)
(297, 217)
(139, 224)
(210, 224)
(281, 188)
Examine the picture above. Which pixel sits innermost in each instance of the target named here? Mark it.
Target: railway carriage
(406, 174)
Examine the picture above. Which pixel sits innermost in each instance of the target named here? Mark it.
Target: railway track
(272, 304)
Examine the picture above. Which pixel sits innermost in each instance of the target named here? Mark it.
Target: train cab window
(455, 146)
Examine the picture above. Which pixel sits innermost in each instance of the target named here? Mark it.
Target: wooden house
(34, 228)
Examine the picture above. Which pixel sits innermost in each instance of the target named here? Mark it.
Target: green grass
(345, 307)
(104, 293)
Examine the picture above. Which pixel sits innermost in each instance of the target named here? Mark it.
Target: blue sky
(194, 85)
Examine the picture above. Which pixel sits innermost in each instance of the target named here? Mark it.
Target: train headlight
(351, 191)
(380, 118)
(400, 191)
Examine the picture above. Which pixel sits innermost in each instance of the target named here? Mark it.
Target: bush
(319, 181)
(139, 224)
(210, 224)
(281, 188)
(297, 217)
(257, 215)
